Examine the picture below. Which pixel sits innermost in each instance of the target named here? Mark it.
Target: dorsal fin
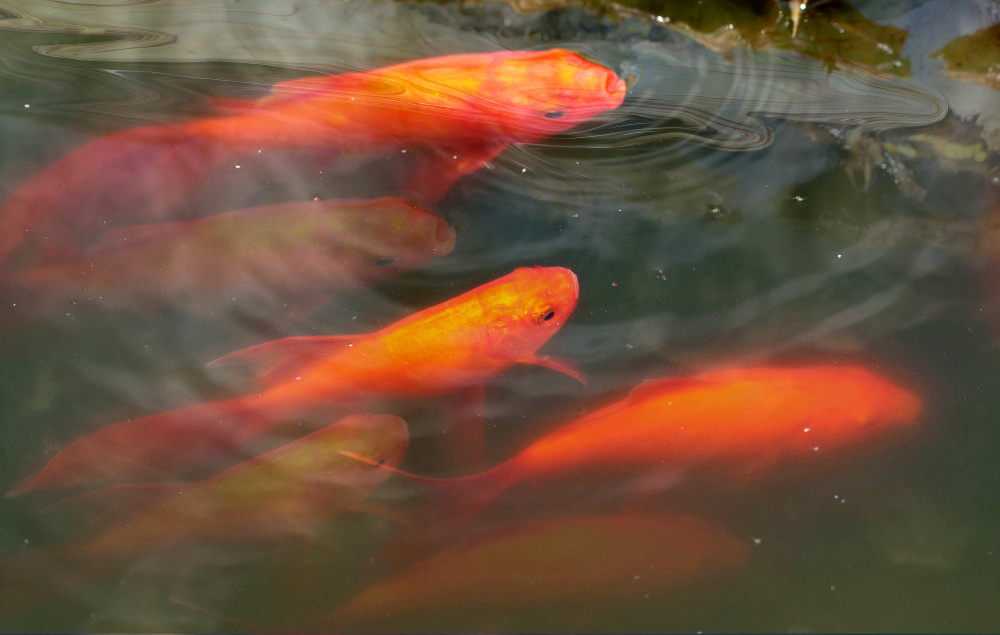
(276, 361)
(652, 388)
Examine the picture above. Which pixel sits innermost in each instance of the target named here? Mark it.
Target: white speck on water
(25, 541)
(636, 577)
(454, 156)
(629, 346)
(805, 429)
(402, 151)
(757, 541)
(816, 449)
(833, 587)
(237, 167)
(836, 496)
(29, 106)
(524, 170)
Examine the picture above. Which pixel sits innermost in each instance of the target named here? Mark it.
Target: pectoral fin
(275, 361)
(442, 168)
(557, 364)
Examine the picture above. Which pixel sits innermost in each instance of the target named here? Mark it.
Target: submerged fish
(738, 422)
(284, 493)
(261, 258)
(457, 344)
(464, 108)
(591, 561)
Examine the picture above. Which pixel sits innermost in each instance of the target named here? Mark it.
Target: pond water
(757, 200)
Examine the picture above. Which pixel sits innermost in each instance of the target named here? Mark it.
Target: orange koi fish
(454, 345)
(592, 561)
(263, 258)
(287, 492)
(464, 108)
(738, 421)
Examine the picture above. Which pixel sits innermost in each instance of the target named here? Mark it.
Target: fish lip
(446, 235)
(576, 283)
(616, 88)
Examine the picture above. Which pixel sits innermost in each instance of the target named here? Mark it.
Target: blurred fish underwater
(755, 239)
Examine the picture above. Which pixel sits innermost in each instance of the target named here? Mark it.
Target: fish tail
(159, 447)
(144, 171)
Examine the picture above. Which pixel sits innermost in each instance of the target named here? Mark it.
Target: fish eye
(384, 262)
(555, 114)
(545, 314)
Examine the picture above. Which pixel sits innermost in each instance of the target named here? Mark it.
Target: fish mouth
(615, 88)
(576, 283)
(445, 235)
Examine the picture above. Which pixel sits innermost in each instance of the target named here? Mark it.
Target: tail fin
(144, 173)
(115, 504)
(156, 448)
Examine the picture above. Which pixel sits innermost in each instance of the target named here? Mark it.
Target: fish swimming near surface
(455, 345)
(737, 422)
(288, 492)
(462, 109)
(260, 260)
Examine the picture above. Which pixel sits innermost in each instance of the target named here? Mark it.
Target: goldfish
(589, 561)
(738, 422)
(463, 109)
(261, 258)
(287, 492)
(459, 343)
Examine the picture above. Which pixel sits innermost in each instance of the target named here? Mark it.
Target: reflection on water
(784, 219)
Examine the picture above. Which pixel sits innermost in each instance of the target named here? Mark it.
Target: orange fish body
(552, 562)
(725, 420)
(459, 343)
(466, 108)
(259, 259)
(284, 493)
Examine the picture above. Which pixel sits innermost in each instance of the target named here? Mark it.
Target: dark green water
(722, 216)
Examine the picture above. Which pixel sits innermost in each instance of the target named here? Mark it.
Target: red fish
(738, 421)
(589, 562)
(465, 108)
(459, 343)
(260, 259)
(284, 493)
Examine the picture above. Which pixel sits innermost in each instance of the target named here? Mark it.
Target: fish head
(392, 236)
(508, 96)
(856, 404)
(541, 93)
(524, 309)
